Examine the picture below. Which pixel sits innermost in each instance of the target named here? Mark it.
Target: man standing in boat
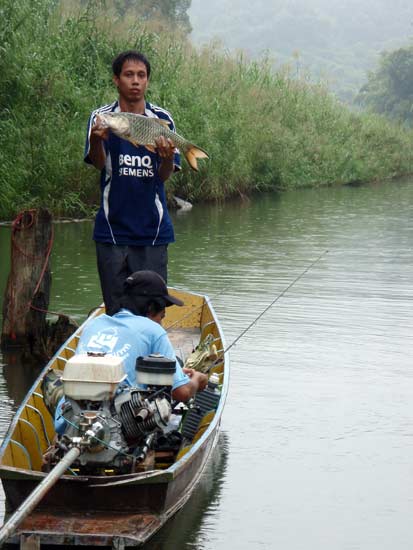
(132, 228)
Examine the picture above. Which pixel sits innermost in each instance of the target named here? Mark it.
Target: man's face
(158, 317)
(132, 81)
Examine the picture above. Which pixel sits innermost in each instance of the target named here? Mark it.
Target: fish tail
(194, 153)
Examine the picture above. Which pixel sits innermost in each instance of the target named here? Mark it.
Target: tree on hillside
(338, 41)
(389, 89)
(172, 12)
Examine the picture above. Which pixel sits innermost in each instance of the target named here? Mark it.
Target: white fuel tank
(94, 378)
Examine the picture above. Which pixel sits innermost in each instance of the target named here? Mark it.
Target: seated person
(135, 331)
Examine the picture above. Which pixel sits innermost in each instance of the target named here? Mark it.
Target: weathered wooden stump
(28, 286)
(59, 332)
(26, 299)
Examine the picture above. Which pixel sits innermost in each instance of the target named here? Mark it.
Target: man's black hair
(133, 55)
(142, 305)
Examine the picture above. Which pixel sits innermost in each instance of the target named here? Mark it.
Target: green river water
(317, 432)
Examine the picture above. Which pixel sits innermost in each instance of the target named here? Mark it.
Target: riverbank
(263, 129)
(175, 204)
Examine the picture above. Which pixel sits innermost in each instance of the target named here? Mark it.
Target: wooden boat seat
(184, 340)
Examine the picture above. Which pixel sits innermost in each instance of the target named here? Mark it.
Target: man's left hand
(165, 148)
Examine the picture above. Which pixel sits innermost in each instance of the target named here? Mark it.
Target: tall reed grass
(263, 129)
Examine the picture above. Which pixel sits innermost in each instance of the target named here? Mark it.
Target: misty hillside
(337, 41)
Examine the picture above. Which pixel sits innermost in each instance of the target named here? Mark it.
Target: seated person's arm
(197, 382)
(186, 381)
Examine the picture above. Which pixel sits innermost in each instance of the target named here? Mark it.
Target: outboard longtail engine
(114, 424)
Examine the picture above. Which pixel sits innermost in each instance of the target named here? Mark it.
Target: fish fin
(150, 148)
(162, 122)
(194, 153)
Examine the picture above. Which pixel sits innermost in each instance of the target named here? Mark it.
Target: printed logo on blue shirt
(136, 165)
(105, 341)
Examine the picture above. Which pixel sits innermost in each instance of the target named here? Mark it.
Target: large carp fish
(143, 130)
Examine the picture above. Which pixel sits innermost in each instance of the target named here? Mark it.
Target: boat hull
(117, 510)
(127, 514)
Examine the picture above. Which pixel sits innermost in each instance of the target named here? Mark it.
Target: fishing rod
(286, 289)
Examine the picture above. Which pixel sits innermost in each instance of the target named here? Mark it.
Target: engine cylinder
(140, 416)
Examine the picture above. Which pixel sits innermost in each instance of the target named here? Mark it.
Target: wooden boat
(110, 510)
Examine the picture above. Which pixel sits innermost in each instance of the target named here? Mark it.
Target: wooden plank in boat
(184, 340)
(93, 530)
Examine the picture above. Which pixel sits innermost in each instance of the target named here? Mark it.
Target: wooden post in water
(27, 292)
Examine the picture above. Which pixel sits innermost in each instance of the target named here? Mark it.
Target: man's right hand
(98, 134)
(98, 130)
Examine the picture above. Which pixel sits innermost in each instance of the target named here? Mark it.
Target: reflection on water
(192, 525)
(319, 412)
(18, 374)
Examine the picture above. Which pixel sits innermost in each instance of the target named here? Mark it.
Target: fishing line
(275, 300)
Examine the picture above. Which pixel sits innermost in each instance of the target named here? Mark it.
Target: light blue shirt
(127, 336)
